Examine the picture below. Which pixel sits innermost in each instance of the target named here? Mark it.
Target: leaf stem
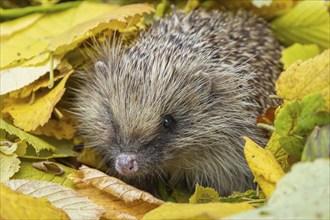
(266, 127)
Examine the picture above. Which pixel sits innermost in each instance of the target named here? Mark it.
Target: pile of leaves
(38, 140)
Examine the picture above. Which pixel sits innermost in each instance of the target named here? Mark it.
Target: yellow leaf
(117, 19)
(298, 52)
(11, 27)
(38, 41)
(18, 77)
(64, 128)
(90, 157)
(279, 153)
(24, 113)
(61, 70)
(9, 165)
(75, 205)
(204, 195)
(263, 165)
(36, 142)
(121, 200)
(196, 211)
(304, 78)
(19, 206)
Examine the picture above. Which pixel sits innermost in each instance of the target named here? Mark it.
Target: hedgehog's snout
(126, 164)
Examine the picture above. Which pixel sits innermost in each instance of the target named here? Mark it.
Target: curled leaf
(121, 200)
(48, 167)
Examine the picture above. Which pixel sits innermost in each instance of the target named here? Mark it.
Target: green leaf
(204, 195)
(36, 142)
(296, 120)
(318, 144)
(308, 22)
(28, 172)
(298, 52)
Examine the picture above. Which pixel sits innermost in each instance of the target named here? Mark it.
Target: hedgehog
(174, 106)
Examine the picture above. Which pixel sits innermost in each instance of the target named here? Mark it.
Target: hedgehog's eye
(168, 121)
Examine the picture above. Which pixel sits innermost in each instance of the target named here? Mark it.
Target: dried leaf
(48, 167)
(263, 165)
(63, 128)
(18, 77)
(268, 117)
(121, 200)
(83, 24)
(61, 70)
(304, 78)
(196, 211)
(24, 113)
(9, 165)
(15, 205)
(61, 197)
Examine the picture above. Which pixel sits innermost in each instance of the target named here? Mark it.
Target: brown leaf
(122, 201)
(48, 167)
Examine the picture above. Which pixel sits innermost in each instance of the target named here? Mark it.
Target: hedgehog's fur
(212, 72)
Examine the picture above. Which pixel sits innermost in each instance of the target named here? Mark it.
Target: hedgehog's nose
(126, 164)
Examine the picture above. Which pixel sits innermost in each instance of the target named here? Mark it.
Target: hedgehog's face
(146, 117)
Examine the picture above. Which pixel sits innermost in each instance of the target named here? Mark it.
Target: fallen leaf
(12, 27)
(9, 165)
(296, 120)
(37, 143)
(196, 211)
(60, 71)
(263, 165)
(304, 78)
(15, 205)
(43, 41)
(298, 52)
(18, 77)
(27, 171)
(301, 194)
(204, 195)
(90, 157)
(63, 128)
(268, 117)
(24, 113)
(297, 26)
(251, 196)
(61, 197)
(121, 18)
(318, 144)
(121, 200)
(49, 167)
(281, 156)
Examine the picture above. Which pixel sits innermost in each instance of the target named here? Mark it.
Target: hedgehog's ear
(101, 68)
